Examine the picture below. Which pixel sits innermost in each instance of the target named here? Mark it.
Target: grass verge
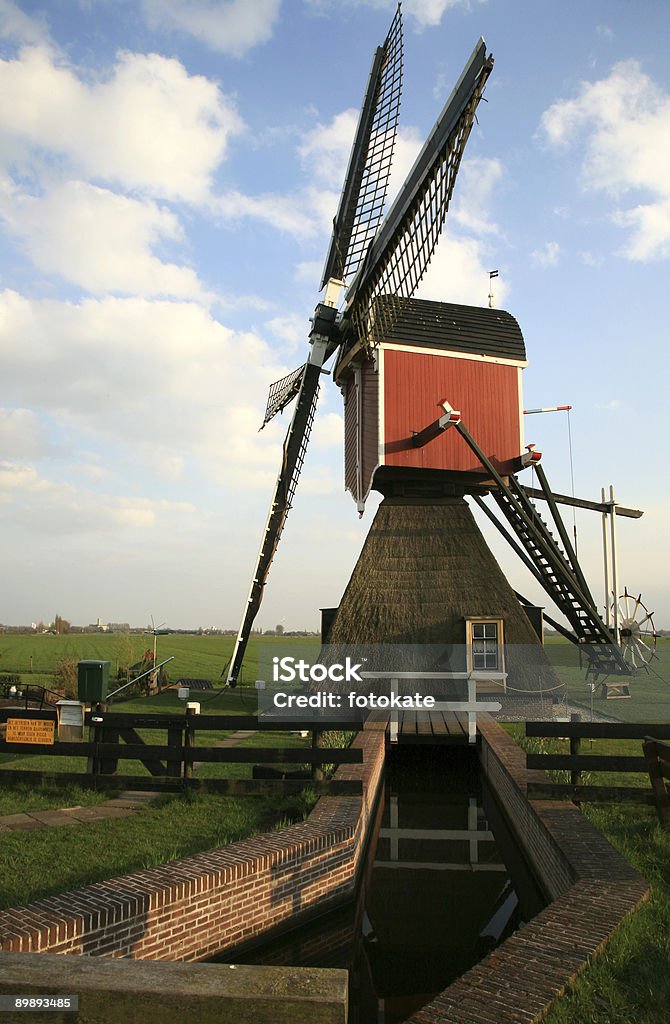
(629, 983)
(43, 862)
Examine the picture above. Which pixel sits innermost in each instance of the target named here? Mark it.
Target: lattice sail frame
(282, 392)
(366, 183)
(401, 267)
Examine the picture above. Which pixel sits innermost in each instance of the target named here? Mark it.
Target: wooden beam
(231, 787)
(599, 730)
(587, 762)
(595, 506)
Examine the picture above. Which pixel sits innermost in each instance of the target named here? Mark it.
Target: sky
(169, 171)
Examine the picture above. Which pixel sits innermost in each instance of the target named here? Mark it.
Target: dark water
(442, 886)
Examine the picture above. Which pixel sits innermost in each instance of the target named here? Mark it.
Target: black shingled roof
(473, 329)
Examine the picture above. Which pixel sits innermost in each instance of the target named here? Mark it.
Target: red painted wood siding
(487, 394)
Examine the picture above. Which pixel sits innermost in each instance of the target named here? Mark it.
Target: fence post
(317, 743)
(575, 749)
(95, 736)
(189, 741)
(661, 798)
(174, 737)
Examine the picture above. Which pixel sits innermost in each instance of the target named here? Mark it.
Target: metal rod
(615, 572)
(551, 408)
(137, 678)
(606, 567)
(594, 506)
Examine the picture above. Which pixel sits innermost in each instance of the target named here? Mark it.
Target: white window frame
(471, 623)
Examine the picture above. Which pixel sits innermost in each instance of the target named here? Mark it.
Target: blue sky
(169, 170)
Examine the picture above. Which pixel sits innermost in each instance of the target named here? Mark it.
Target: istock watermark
(288, 670)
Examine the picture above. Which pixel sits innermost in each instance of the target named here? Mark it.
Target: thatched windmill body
(412, 375)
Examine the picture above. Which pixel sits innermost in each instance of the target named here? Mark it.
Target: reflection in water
(440, 890)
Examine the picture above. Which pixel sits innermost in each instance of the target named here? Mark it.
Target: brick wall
(198, 906)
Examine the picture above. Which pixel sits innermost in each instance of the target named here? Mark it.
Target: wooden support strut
(450, 419)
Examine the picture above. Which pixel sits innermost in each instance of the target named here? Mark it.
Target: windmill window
(485, 643)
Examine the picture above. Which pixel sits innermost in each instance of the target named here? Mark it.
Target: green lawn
(42, 862)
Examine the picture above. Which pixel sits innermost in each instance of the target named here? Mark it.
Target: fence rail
(655, 762)
(114, 737)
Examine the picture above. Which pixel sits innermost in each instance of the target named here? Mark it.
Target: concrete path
(127, 803)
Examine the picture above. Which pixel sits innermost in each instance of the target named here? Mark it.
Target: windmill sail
(366, 182)
(282, 392)
(293, 455)
(357, 218)
(399, 256)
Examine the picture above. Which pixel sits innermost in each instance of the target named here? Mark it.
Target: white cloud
(162, 381)
(473, 195)
(232, 27)
(325, 149)
(459, 272)
(546, 256)
(21, 434)
(424, 13)
(328, 430)
(303, 214)
(650, 238)
(292, 329)
(37, 500)
(106, 129)
(99, 240)
(16, 24)
(623, 122)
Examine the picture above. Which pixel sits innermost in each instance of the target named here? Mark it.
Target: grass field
(204, 657)
(650, 689)
(35, 657)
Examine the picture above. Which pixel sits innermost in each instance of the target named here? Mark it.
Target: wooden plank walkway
(434, 727)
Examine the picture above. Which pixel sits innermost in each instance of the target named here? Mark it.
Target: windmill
(433, 411)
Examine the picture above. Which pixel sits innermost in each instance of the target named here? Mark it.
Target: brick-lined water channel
(443, 885)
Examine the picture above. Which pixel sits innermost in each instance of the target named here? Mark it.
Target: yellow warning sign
(29, 730)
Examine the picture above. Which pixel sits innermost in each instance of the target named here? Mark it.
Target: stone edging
(199, 906)
(592, 889)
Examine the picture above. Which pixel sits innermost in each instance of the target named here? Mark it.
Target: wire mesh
(282, 392)
(401, 266)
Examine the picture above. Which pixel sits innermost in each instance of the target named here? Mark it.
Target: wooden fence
(657, 756)
(654, 761)
(114, 736)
